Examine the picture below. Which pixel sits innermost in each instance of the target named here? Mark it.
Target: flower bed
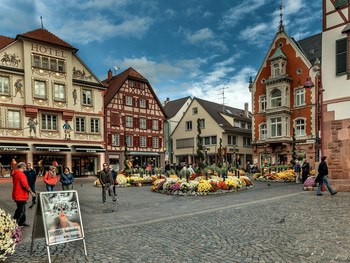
(286, 176)
(200, 186)
(10, 235)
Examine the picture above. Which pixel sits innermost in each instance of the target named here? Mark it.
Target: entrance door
(76, 166)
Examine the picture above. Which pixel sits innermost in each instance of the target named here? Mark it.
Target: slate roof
(312, 47)
(5, 41)
(214, 110)
(44, 35)
(173, 107)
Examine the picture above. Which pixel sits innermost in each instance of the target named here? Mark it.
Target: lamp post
(310, 84)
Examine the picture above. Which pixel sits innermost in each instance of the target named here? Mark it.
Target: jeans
(20, 213)
(50, 187)
(32, 187)
(326, 182)
(110, 191)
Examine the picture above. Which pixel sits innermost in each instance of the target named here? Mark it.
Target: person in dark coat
(31, 178)
(323, 177)
(305, 170)
(297, 170)
(106, 180)
(67, 179)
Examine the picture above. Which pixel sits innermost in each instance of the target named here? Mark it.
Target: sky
(196, 48)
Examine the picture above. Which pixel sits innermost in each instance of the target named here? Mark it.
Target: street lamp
(309, 84)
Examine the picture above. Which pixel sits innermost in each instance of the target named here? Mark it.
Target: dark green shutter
(340, 3)
(341, 56)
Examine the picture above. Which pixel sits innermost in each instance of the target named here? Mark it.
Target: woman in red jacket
(20, 193)
(50, 179)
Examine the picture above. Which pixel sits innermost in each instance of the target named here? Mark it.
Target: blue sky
(183, 47)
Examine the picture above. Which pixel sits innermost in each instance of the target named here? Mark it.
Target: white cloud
(200, 35)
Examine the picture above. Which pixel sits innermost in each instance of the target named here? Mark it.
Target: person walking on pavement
(20, 194)
(51, 179)
(106, 180)
(323, 177)
(305, 170)
(31, 178)
(67, 179)
(297, 170)
(114, 174)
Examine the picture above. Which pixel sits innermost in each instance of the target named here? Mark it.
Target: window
(87, 97)
(53, 64)
(128, 101)
(128, 140)
(276, 127)
(300, 127)
(4, 85)
(155, 142)
(243, 125)
(247, 141)
(48, 122)
(231, 140)
(45, 63)
(340, 3)
(263, 131)
(36, 61)
(249, 126)
(143, 141)
(155, 125)
(14, 119)
(263, 103)
(142, 123)
(202, 123)
(128, 122)
(195, 110)
(341, 56)
(276, 99)
(142, 103)
(188, 125)
(209, 140)
(40, 89)
(142, 86)
(115, 139)
(59, 92)
(131, 83)
(95, 125)
(236, 123)
(60, 65)
(48, 63)
(276, 69)
(299, 97)
(80, 124)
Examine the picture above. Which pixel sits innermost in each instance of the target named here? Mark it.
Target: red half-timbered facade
(132, 108)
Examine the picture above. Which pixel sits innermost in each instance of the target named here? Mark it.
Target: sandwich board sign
(58, 219)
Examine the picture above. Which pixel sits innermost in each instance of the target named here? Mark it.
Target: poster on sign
(62, 218)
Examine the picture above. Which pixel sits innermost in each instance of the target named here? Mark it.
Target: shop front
(10, 155)
(86, 160)
(114, 161)
(140, 159)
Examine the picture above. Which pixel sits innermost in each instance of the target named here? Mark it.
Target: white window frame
(80, 124)
(155, 125)
(276, 125)
(50, 121)
(299, 97)
(129, 140)
(128, 121)
(115, 140)
(142, 103)
(276, 70)
(40, 89)
(143, 141)
(14, 119)
(94, 125)
(263, 103)
(87, 97)
(5, 87)
(188, 125)
(202, 123)
(155, 142)
(59, 89)
(128, 100)
(208, 140)
(263, 131)
(143, 124)
(300, 128)
(277, 100)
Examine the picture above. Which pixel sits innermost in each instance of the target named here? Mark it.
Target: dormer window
(276, 68)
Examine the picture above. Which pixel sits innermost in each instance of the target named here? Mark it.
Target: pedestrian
(305, 170)
(51, 179)
(67, 179)
(20, 194)
(106, 180)
(297, 170)
(31, 178)
(322, 177)
(114, 174)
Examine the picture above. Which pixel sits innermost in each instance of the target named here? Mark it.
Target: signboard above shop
(14, 147)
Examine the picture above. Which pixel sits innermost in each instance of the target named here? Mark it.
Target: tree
(220, 154)
(294, 154)
(200, 153)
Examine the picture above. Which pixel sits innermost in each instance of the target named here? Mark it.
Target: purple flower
(175, 187)
(309, 181)
(17, 235)
(160, 185)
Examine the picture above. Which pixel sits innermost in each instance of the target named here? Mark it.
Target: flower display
(214, 187)
(256, 176)
(193, 176)
(154, 188)
(173, 176)
(147, 177)
(97, 183)
(10, 235)
(194, 185)
(185, 187)
(160, 184)
(231, 183)
(168, 183)
(310, 181)
(204, 186)
(235, 179)
(121, 179)
(247, 180)
(175, 187)
(222, 185)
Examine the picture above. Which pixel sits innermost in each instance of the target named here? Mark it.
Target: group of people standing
(24, 179)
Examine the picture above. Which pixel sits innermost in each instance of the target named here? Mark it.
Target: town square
(161, 131)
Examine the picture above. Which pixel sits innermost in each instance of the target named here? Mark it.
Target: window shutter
(135, 141)
(121, 143)
(341, 56)
(124, 99)
(123, 121)
(136, 122)
(147, 104)
(109, 138)
(159, 125)
(160, 143)
(136, 102)
(149, 142)
(149, 124)
(114, 119)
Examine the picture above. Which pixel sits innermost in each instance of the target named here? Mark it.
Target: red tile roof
(5, 41)
(44, 35)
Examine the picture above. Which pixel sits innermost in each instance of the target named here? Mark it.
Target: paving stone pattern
(277, 223)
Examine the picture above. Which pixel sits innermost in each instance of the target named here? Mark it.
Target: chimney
(166, 101)
(110, 75)
(246, 112)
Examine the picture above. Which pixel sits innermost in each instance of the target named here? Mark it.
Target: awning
(52, 148)
(144, 153)
(89, 149)
(10, 147)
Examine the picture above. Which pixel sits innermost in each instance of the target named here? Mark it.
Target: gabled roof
(312, 47)
(215, 110)
(44, 35)
(115, 83)
(5, 41)
(173, 107)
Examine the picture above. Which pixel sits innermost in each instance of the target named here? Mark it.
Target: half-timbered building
(132, 109)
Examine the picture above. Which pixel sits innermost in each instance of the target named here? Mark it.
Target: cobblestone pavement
(239, 227)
